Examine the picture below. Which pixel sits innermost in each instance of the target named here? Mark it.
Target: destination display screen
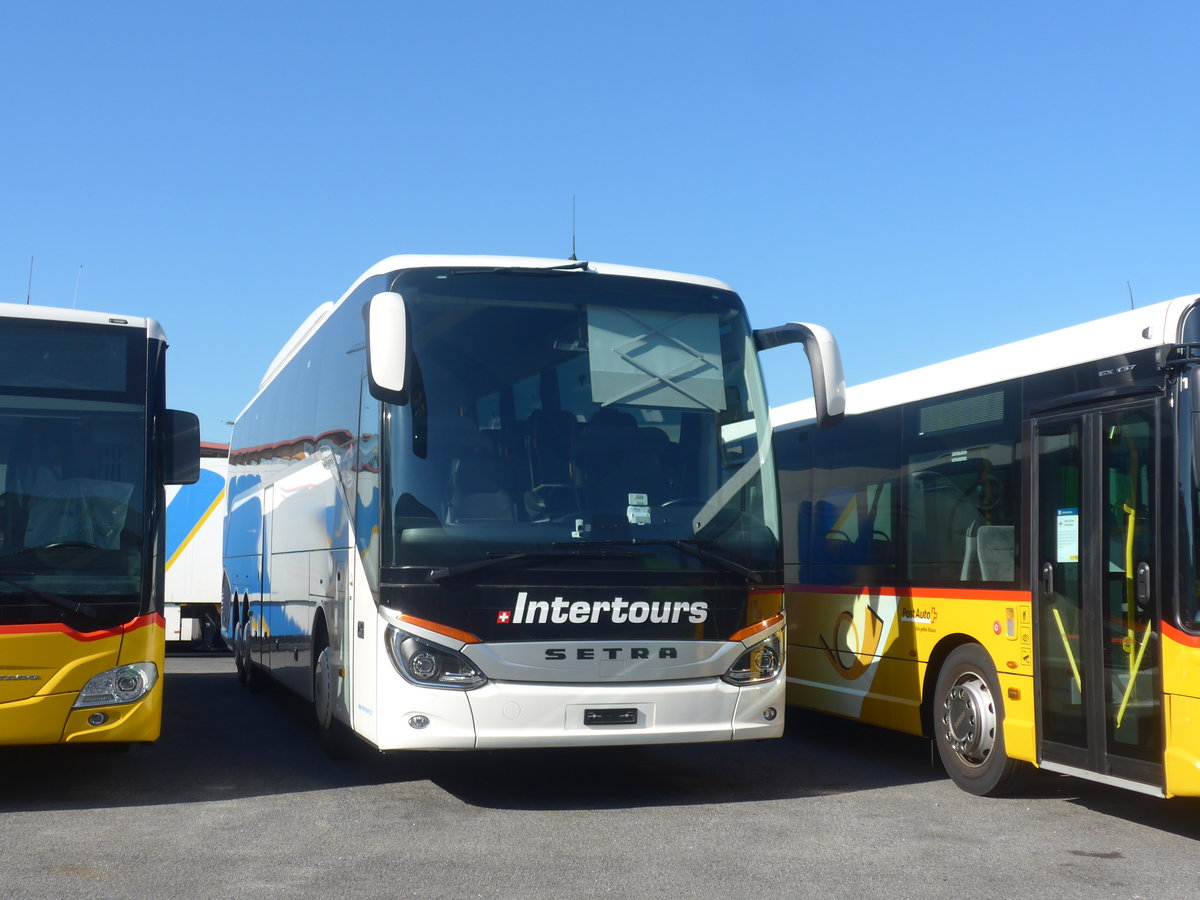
(61, 356)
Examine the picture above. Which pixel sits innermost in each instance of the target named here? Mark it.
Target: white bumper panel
(529, 715)
(749, 720)
(450, 724)
(532, 715)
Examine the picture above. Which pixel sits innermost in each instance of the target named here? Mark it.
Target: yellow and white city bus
(86, 444)
(1002, 552)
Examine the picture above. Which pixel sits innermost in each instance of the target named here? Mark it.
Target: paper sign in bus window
(1067, 533)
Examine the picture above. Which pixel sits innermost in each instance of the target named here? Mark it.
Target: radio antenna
(1130, 289)
(75, 296)
(29, 287)
(573, 257)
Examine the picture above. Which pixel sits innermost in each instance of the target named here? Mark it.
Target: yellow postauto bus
(1002, 552)
(86, 445)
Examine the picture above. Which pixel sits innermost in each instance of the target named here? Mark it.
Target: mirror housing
(179, 439)
(824, 358)
(387, 347)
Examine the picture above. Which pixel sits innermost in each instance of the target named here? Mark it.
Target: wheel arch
(319, 640)
(331, 713)
(320, 631)
(937, 659)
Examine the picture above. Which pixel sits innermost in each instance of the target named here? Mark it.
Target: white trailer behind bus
(195, 517)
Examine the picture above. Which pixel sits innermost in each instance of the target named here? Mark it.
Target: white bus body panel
(154, 331)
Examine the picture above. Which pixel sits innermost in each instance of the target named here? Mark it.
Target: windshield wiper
(688, 547)
(54, 546)
(69, 605)
(567, 552)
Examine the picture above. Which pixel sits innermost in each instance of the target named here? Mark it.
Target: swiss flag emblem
(504, 617)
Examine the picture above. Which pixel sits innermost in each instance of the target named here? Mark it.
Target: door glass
(1060, 613)
(1129, 646)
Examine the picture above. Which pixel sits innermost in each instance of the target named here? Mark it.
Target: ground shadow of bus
(1179, 815)
(818, 756)
(221, 743)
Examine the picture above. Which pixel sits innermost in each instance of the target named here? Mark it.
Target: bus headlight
(123, 684)
(429, 665)
(762, 662)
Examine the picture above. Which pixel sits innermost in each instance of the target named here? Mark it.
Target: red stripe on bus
(1180, 637)
(153, 619)
(931, 593)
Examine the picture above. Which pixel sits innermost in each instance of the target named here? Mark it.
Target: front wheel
(968, 720)
(336, 738)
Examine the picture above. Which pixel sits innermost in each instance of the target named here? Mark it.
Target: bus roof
(1126, 332)
(153, 330)
(427, 261)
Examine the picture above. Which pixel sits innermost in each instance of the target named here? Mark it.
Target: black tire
(968, 718)
(238, 653)
(248, 673)
(337, 740)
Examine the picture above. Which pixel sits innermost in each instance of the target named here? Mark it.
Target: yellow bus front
(58, 685)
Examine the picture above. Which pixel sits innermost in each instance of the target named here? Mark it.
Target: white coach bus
(508, 502)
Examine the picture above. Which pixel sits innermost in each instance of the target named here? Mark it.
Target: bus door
(1094, 532)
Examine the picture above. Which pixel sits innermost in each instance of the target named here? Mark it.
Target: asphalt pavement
(237, 800)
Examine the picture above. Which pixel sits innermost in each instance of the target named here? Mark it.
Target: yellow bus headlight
(124, 684)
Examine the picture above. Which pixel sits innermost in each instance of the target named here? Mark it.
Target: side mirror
(824, 358)
(180, 442)
(387, 347)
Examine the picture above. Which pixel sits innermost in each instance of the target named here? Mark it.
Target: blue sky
(926, 180)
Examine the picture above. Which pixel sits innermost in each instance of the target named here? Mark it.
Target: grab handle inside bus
(824, 358)
(1142, 586)
(387, 347)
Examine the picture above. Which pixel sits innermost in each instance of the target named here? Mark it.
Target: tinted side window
(843, 524)
(961, 485)
(793, 462)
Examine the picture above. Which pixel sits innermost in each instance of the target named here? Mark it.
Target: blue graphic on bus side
(188, 505)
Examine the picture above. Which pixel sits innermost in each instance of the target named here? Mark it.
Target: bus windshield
(72, 474)
(554, 410)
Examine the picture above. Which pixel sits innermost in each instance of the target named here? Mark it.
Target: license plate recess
(614, 716)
